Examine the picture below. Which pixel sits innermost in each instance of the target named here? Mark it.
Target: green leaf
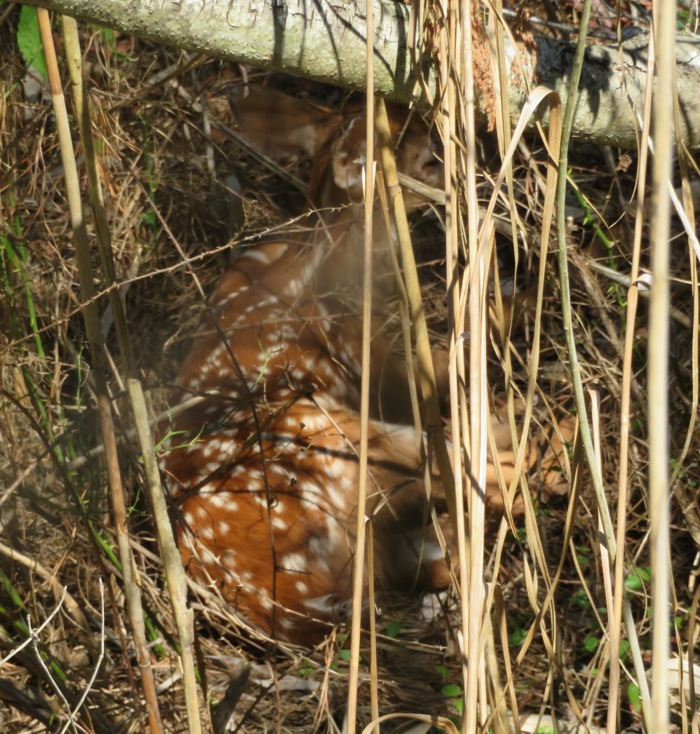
(442, 671)
(29, 40)
(590, 643)
(634, 696)
(306, 670)
(149, 219)
(580, 599)
(394, 628)
(451, 690)
(109, 37)
(638, 577)
(517, 637)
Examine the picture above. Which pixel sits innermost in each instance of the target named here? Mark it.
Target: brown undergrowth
(176, 212)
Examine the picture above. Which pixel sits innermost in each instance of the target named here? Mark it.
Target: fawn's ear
(280, 126)
(349, 155)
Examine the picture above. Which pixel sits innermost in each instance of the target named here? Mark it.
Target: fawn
(265, 472)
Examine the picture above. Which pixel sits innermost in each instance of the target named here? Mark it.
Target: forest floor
(182, 195)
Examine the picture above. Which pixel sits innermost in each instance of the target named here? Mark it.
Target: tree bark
(325, 40)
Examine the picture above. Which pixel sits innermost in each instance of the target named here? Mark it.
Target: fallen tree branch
(325, 40)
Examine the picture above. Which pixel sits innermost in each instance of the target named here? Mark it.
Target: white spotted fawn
(263, 469)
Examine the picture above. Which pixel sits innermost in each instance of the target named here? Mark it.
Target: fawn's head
(288, 128)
